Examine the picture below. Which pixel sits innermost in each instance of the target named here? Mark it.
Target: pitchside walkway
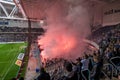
(31, 69)
(30, 75)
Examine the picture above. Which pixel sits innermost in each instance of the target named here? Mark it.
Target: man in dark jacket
(43, 75)
(72, 75)
(97, 71)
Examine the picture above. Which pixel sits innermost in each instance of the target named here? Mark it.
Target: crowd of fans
(13, 34)
(7, 37)
(91, 66)
(12, 29)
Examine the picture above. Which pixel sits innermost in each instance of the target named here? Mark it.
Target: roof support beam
(20, 7)
(13, 18)
(13, 11)
(3, 8)
(6, 2)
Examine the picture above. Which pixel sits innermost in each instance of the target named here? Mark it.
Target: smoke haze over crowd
(68, 23)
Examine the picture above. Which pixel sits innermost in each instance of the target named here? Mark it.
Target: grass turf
(8, 56)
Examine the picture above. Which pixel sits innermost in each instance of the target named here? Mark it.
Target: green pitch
(8, 56)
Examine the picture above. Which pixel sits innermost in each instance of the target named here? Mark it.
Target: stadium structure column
(29, 36)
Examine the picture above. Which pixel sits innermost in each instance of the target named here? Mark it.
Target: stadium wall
(105, 14)
(111, 14)
(97, 15)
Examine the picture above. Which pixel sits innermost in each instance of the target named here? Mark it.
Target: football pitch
(8, 56)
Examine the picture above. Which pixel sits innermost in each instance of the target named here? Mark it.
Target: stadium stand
(17, 34)
(100, 65)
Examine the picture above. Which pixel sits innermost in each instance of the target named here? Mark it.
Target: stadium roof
(35, 9)
(7, 1)
(32, 9)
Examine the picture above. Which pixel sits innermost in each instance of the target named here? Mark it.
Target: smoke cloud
(68, 23)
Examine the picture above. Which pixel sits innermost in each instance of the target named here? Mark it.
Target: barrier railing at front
(108, 71)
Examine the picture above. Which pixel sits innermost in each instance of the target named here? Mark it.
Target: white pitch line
(4, 62)
(11, 61)
(9, 69)
(3, 71)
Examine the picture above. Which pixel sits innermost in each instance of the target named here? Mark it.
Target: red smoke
(67, 26)
(59, 45)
